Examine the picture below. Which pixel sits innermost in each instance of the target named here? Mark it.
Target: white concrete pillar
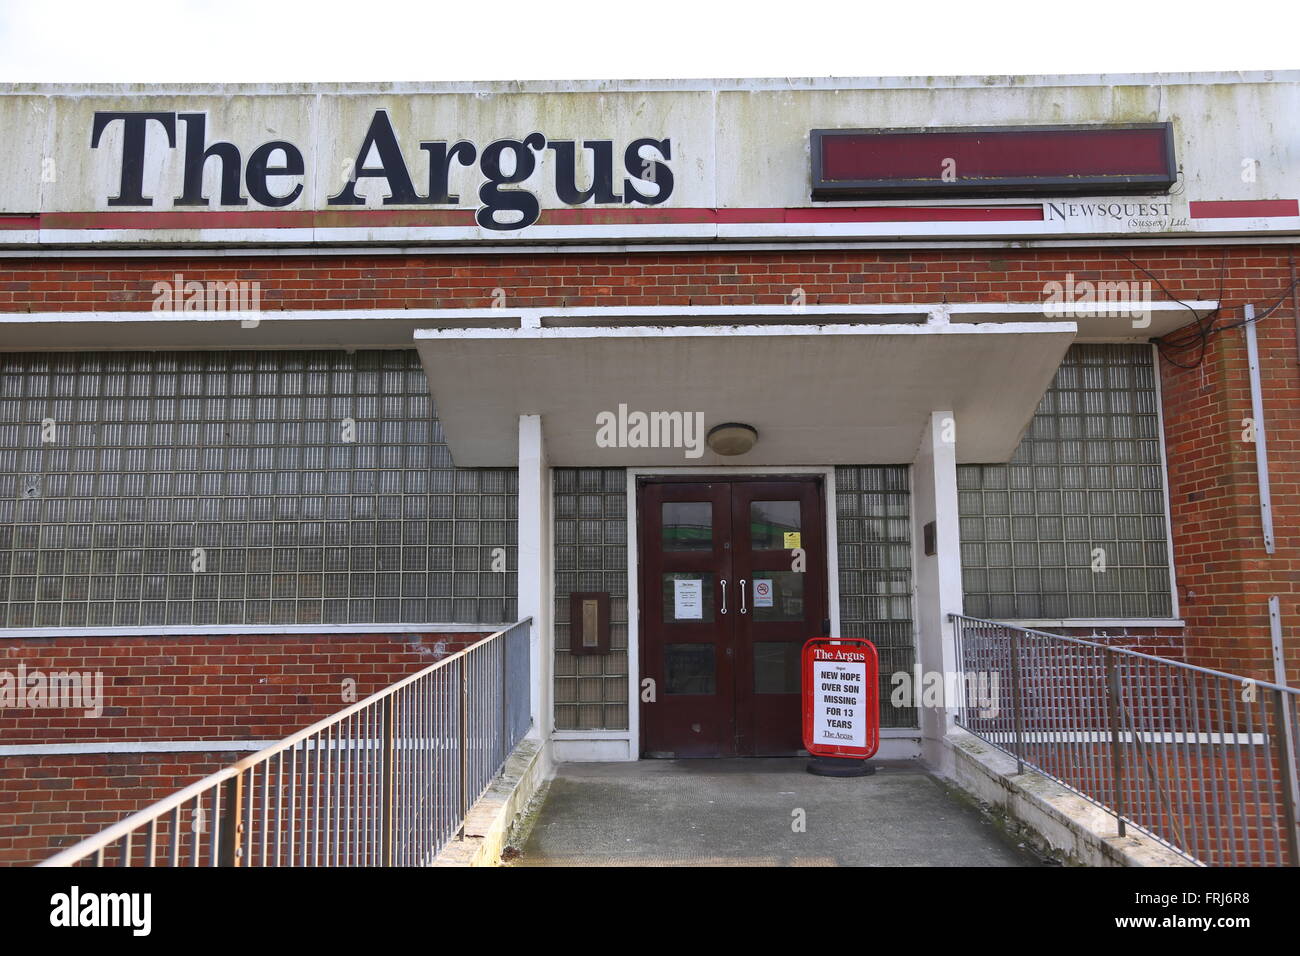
(535, 556)
(938, 576)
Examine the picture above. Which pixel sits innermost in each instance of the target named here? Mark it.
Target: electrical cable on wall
(1177, 344)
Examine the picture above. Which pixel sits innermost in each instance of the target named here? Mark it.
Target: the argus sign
(841, 711)
(273, 172)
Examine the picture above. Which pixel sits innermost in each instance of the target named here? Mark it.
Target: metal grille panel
(165, 488)
(1074, 526)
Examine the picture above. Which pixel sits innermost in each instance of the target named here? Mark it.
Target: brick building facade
(375, 560)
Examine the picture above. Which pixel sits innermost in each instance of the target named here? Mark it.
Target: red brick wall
(1242, 781)
(196, 688)
(174, 688)
(462, 281)
(49, 802)
(1224, 576)
(212, 688)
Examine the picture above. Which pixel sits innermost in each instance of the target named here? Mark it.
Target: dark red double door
(732, 582)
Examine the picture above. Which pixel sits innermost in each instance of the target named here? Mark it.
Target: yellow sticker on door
(792, 539)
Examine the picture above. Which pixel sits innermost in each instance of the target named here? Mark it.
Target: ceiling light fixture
(732, 438)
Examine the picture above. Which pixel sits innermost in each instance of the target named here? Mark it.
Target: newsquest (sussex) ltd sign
(271, 169)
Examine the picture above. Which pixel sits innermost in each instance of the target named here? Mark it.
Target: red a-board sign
(841, 706)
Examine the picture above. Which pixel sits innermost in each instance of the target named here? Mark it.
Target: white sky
(288, 40)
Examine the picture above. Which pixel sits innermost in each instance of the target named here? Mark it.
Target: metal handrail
(375, 734)
(1128, 652)
(1202, 760)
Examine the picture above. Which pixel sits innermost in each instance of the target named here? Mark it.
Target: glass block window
(590, 522)
(1074, 526)
(196, 488)
(874, 528)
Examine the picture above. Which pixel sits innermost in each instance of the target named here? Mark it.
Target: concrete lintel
(818, 394)
(592, 748)
(1081, 830)
(490, 822)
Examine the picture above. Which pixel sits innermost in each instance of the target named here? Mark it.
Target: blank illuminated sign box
(990, 161)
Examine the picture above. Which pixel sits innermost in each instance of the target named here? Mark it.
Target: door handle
(743, 608)
(724, 595)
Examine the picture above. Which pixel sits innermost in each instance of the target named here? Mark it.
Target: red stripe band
(592, 216)
(1245, 208)
(578, 216)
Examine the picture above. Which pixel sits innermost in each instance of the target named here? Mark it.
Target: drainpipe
(1261, 445)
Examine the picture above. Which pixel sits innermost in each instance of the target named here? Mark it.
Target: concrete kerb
(491, 820)
(1066, 822)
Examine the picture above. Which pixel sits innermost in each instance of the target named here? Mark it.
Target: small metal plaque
(589, 622)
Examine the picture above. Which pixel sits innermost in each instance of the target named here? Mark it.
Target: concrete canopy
(829, 394)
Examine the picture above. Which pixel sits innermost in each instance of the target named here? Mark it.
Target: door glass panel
(687, 525)
(776, 596)
(688, 669)
(776, 667)
(774, 525)
(688, 597)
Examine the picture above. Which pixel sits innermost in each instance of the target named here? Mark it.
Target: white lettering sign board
(600, 161)
(839, 707)
(841, 713)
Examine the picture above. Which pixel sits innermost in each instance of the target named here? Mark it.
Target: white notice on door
(762, 592)
(687, 603)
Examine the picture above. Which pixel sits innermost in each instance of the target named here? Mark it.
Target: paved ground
(740, 813)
